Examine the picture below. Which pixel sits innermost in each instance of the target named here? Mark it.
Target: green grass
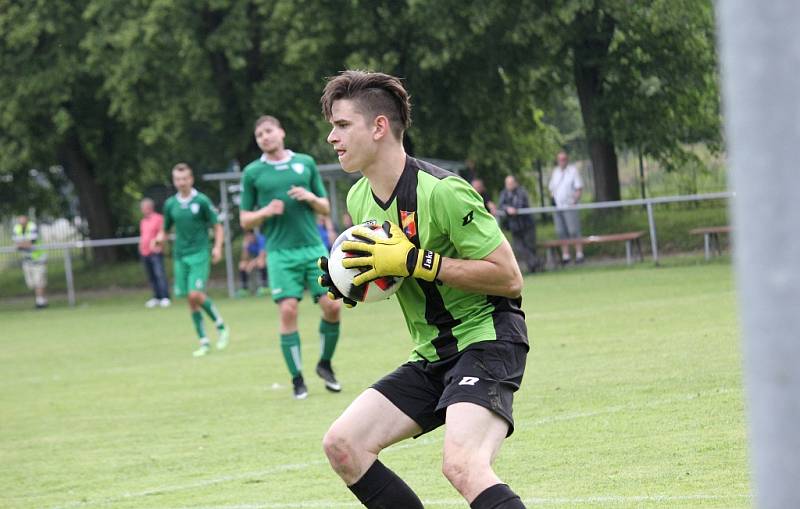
(632, 398)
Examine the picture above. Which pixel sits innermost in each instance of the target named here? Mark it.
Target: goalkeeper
(461, 302)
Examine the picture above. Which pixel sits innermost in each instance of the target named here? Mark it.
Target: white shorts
(35, 274)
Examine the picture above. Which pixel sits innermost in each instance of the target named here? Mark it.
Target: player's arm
(496, 274)
(486, 263)
(314, 195)
(252, 219)
(319, 204)
(216, 251)
(158, 241)
(166, 225)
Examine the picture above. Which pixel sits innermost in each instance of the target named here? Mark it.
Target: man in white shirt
(566, 187)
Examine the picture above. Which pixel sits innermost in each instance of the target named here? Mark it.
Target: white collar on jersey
(184, 201)
(285, 160)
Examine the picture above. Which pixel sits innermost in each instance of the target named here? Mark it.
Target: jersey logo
(298, 168)
(195, 208)
(409, 223)
(467, 219)
(469, 380)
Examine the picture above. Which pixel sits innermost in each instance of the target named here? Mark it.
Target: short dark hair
(375, 93)
(267, 118)
(182, 167)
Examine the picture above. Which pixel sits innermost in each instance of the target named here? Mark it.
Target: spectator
(522, 226)
(566, 187)
(479, 186)
(254, 257)
(326, 230)
(152, 255)
(347, 221)
(34, 262)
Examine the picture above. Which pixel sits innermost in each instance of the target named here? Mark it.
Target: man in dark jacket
(522, 226)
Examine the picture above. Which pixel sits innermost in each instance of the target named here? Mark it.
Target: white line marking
(424, 441)
(459, 502)
(244, 475)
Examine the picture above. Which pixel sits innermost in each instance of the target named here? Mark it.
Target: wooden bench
(711, 237)
(631, 239)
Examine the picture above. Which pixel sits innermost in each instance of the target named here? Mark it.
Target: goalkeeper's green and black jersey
(441, 212)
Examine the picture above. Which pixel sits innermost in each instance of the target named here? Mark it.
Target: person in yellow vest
(34, 262)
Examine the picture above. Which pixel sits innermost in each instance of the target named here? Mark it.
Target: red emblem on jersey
(409, 223)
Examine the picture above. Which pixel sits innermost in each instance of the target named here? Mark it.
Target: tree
(645, 74)
(471, 97)
(54, 113)
(117, 92)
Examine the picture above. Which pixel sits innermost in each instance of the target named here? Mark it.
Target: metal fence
(647, 203)
(67, 250)
(51, 231)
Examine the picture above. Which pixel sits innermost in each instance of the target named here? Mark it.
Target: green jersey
(264, 181)
(439, 211)
(192, 217)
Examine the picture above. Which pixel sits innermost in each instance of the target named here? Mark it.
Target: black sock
(380, 488)
(264, 279)
(243, 278)
(498, 496)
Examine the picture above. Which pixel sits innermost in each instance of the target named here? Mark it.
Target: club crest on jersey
(195, 208)
(298, 168)
(408, 220)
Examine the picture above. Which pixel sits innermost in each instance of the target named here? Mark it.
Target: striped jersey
(439, 211)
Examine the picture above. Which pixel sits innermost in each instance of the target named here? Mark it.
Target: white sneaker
(165, 303)
(151, 303)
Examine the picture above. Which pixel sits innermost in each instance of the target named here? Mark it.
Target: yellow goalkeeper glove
(394, 255)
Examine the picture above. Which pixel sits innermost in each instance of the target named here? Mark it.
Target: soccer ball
(380, 289)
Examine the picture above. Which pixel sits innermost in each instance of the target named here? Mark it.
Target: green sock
(290, 346)
(211, 311)
(328, 337)
(197, 318)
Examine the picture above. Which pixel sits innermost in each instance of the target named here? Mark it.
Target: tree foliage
(116, 92)
(645, 72)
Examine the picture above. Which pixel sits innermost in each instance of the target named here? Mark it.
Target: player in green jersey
(192, 214)
(461, 301)
(281, 193)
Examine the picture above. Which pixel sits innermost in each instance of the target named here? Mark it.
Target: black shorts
(486, 374)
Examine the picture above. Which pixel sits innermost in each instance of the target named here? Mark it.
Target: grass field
(632, 398)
